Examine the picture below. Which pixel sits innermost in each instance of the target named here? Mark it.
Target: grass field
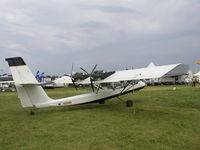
(161, 119)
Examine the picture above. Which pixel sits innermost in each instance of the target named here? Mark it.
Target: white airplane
(31, 94)
(7, 85)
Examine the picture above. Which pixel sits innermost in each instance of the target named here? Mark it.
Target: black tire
(101, 102)
(129, 103)
(80, 85)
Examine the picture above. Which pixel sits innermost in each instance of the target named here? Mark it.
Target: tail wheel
(32, 113)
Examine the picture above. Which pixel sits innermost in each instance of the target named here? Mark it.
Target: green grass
(161, 119)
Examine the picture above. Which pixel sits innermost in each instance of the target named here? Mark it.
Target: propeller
(71, 76)
(90, 75)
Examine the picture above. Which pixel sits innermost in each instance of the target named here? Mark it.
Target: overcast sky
(115, 34)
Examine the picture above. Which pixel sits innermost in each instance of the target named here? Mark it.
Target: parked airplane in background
(7, 86)
(31, 94)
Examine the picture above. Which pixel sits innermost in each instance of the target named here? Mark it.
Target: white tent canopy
(151, 72)
(85, 81)
(151, 65)
(63, 80)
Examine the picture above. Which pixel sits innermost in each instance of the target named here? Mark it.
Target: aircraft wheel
(101, 102)
(80, 85)
(129, 103)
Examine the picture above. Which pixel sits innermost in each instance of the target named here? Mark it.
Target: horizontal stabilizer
(35, 84)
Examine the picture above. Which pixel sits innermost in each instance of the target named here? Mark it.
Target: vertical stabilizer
(29, 93)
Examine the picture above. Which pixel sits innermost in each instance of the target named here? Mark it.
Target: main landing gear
(101, 101)
(129, 103)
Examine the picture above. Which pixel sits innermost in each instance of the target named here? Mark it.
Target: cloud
(93, 24)
(109, 8)
(123, 32)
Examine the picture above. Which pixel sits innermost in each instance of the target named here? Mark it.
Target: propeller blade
(94, 69)
(90, 75)
(84, 70)
(68, 75)
(91, 82)
(74, 83)
(72, 69)
(71, 76)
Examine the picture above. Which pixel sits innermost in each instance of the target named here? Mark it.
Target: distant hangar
(152, 74)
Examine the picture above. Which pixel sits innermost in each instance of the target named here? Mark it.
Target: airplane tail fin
(28, 89)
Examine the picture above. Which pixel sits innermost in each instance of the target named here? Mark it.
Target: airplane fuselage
(92, 97)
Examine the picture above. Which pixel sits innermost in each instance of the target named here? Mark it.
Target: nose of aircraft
(141, 83)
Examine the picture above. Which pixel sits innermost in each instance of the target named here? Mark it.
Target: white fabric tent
(63, 81)
(85, 81)
(151, 65)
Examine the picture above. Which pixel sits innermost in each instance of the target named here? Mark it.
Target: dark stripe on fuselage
(106, 98)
